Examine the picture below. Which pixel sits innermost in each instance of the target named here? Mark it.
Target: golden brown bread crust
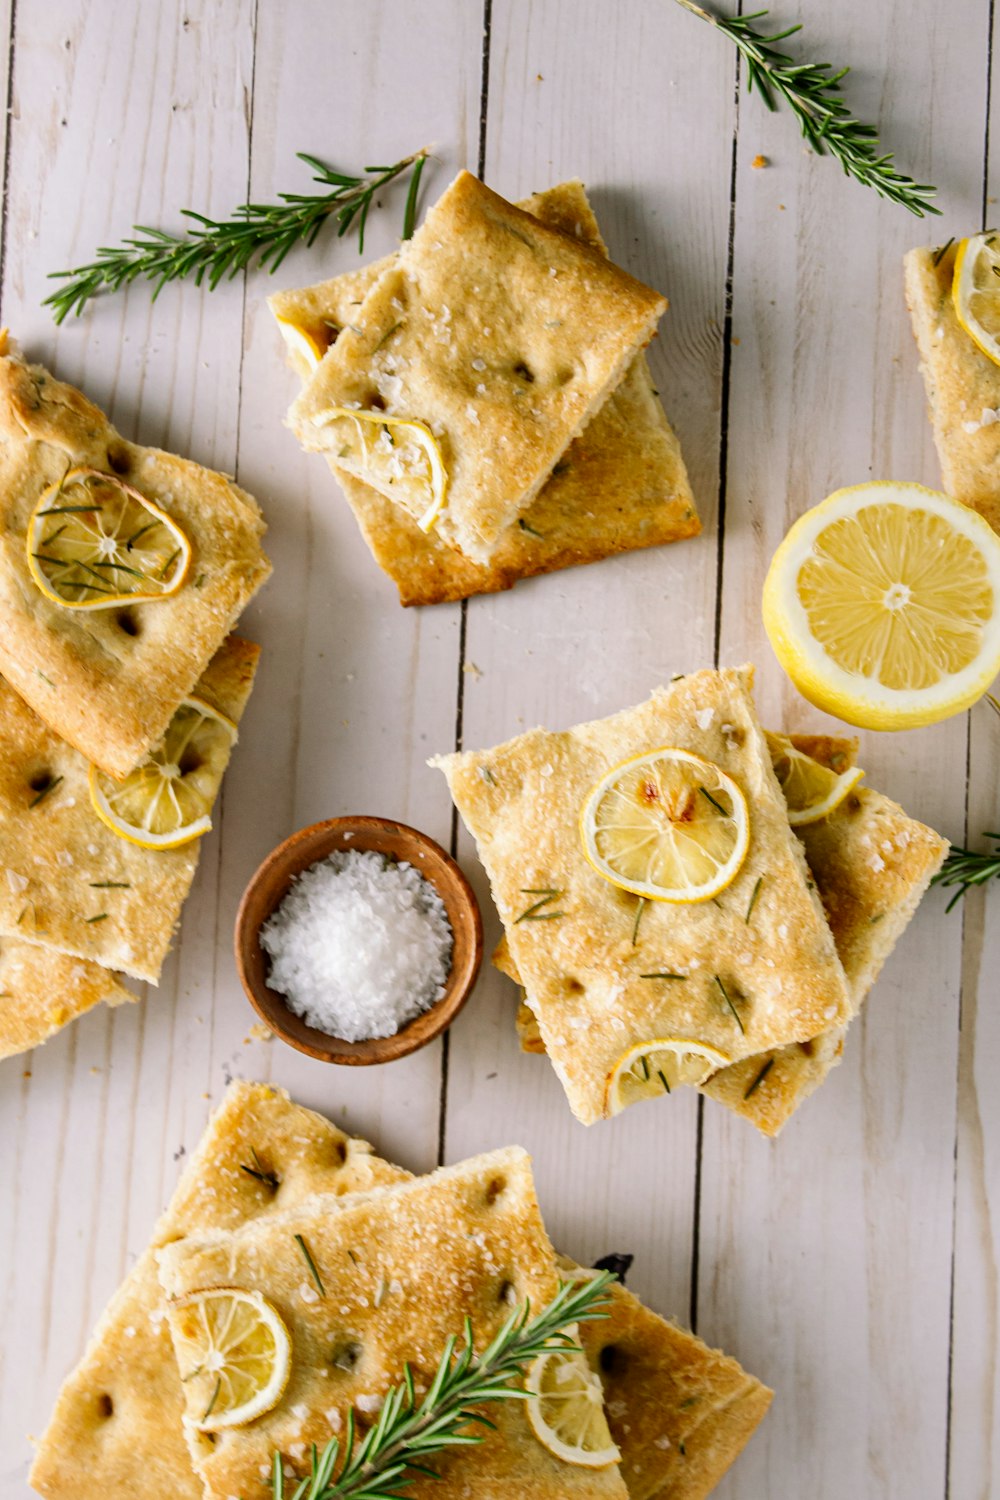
(41, 991)
(402, 1267)
(136, 1449)
(962, 384)
(109, 692)
(669, 1378)
(872, 864)
(503, 336)
(61, 866)
(620, 486)
(583, 974)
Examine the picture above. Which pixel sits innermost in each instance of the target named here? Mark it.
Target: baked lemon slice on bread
(975, 291)
(566, 1408)
(812, 791)
(403, 449)
(666, 825)
(883, 605)
(651, 1069)
(234, 1353)
(167, 801)
(94, 542)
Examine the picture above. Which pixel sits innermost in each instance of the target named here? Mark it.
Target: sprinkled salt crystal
(297, 1452)
(472, 414)
(300, 1411)
(64, 858)
(130, 1332)
(17, 883)
(704, 717)
(308, 1293)
(478, 364)
(480, 389)
(369, 1403)
(661, 1442)
(359, 946)
(395, 1287)
(334, 1418)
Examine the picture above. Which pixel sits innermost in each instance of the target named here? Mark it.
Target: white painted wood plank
(355, 692)
(829, 1251)
(974, 1450)
(97, 1154)
(101, 138)
(642, 112)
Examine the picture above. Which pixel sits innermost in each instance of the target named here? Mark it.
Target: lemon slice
(95, 543)
(883, 605)
(666, 825)
(650, 1069)
(812, 791)
(975, 291)
(405, 453)
(168, 799)
(305, 342)
(566, 1408)
(234, 1354)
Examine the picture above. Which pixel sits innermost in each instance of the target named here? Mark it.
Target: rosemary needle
(214, 249)
(760, 1078)
(307, 1257)
(728, 999)
(812, 92)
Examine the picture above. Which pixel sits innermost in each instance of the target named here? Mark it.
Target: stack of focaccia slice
(393, 1266)
(483, 400)
(122, 571)
(745, 992)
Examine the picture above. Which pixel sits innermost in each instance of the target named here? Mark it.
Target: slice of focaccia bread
(502, 337)
(871, 863)
(962, 383)
(679, 1411)
(41, 991)
(621, 485)
(591, 977)
(108, 680)
(66, 880)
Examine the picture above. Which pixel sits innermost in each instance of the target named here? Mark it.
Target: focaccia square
(620, 486)
(679, 1411)
(501, 336)
(962, 384)
(41, 991)
(108, 680)
(66, 880)
(401, 1268)
(583, 973)
(117, 1429)
(871, 864)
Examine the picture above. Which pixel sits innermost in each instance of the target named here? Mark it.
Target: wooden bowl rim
(269, 884)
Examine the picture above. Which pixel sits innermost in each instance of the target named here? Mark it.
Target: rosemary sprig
(44, 792)
(753, 899)
(218, 248)
(664, 974)
(717, 805)
(812, 92)
(392, 1453)
(965, 868)
(535, 913)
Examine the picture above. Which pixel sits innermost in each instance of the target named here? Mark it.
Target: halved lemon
(975, 291)
(168, 799)
(566, 1408)
(234, 1353)
(666, 825)
(94, 542)
(404, 452)
(883, 605)
(812, 790)
(651, 1069)
(306, 343)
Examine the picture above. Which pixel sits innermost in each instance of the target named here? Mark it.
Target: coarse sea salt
(359, 946)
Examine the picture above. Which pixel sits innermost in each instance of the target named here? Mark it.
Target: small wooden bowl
(269, 886)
